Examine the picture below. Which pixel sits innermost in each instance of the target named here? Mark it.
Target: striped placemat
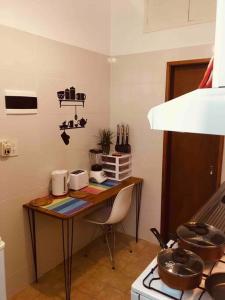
(67, 206)
(97, 188)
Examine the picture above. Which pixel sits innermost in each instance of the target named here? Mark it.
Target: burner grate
(150, 279)
(150, 287)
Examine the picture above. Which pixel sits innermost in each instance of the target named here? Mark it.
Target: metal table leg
(138, 192)
(67, 239)
(32, 225)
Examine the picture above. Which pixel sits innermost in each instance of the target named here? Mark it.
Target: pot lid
(180, 262)
(201, 234)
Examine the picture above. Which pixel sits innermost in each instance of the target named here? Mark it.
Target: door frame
(166, 148)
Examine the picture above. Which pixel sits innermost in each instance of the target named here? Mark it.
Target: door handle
(211, 170)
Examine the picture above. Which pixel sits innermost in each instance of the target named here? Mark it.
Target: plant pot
(106, 149)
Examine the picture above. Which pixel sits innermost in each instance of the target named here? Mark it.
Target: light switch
(8, 147)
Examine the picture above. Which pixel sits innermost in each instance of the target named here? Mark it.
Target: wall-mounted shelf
(61, 127)
(70, 98)
(75, 102)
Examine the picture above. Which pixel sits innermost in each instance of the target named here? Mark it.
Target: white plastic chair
(108, 219)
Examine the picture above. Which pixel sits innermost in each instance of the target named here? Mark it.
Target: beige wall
(137, 84)
(83, 23)
(29, 62)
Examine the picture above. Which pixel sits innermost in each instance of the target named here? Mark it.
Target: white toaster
(78, 179)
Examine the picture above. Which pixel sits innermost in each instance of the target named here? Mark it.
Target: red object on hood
(207, 78)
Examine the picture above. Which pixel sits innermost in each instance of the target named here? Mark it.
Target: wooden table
(67, 223)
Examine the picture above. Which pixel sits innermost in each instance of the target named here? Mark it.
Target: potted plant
(105, 140)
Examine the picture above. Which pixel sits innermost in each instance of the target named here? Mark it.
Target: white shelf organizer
(117, 167)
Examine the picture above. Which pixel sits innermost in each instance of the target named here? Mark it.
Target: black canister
(72, 93)
(67, 94)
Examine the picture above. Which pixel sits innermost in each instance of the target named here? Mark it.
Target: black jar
(67, 94)
(72, 93)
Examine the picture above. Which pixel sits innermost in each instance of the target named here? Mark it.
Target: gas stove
(148, 286)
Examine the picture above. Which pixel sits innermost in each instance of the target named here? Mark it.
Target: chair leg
(109, 229)
(113, 233)
(92, 239)
(123, 229)
(114, 236)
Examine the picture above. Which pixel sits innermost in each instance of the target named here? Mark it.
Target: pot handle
(173, 236)
(159, 238)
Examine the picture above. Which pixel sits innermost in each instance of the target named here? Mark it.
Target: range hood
(203, 110)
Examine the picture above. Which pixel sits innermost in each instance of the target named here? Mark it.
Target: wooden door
(191, 162)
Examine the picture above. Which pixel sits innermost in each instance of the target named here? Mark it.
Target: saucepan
(215, 286)
(178, 268)
(203, 239)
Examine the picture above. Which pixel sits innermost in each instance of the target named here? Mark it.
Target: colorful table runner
(97, 188)
(67, 206)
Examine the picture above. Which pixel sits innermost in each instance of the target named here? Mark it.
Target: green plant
(105, 137)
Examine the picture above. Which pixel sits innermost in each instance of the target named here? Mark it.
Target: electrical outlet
(8, 148)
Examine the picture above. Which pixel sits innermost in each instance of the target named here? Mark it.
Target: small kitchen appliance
(96, 173)
(60, 181)
(78, 179)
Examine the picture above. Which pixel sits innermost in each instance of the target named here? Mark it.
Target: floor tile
(78, 295)
(92, 276)
(111, 293)
(28, 293)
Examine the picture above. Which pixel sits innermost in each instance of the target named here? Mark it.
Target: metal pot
(205, 240)
(178, 268)
(215, 285)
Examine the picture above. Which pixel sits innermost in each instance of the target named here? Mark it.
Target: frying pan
(178, 268)
(205, 240)
(215, 286)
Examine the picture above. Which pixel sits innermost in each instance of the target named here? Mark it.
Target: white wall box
(161, 14)
(117, 167)
(20, 102)
(202, 11)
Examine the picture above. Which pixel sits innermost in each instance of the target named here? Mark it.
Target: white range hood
(203, 110)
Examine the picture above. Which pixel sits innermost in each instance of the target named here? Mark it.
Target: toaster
(78, 179)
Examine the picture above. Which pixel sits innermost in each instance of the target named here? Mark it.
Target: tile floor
(92, 276)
